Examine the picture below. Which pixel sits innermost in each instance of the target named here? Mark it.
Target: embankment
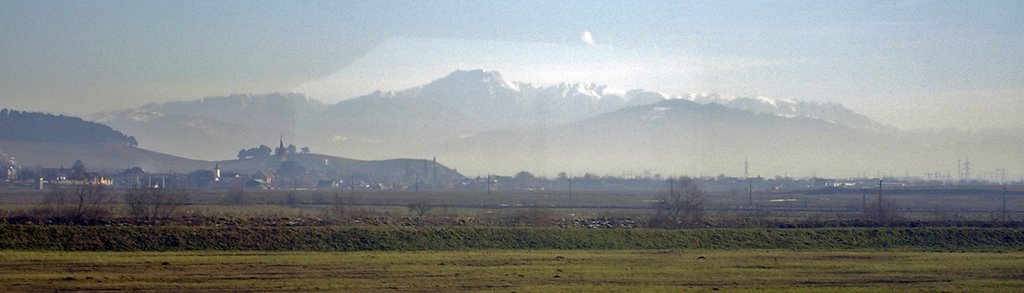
(171, 238)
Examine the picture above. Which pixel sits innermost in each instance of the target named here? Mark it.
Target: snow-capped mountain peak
(830, 112)
(475, 78)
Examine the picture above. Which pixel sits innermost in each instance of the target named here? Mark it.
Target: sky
(910, 64)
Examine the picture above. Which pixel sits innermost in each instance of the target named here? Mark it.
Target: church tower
(216, 173)
(280, 151)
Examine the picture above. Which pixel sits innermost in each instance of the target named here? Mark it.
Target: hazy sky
(912, 64)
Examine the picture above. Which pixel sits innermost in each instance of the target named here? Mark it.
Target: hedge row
(166, 238)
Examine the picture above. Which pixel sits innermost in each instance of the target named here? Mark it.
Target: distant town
(291, 174)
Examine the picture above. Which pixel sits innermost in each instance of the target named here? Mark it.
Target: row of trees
(89, 203)
(265, 151)
(77, 172)
(683, 207)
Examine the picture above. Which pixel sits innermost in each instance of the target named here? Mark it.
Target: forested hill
(43, 127)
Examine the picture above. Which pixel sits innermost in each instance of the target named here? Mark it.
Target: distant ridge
(43, 127)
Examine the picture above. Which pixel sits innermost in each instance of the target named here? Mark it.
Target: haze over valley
(480, 123)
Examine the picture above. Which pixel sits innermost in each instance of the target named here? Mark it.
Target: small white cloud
(588, 38)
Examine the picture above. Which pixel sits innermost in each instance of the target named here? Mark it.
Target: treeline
(163, 238)
(265, 151)
(42, 127)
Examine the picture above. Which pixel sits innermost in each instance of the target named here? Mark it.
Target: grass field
(976, 204)
(514, 270)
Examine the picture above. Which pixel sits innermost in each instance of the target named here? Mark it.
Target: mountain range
(477, 121)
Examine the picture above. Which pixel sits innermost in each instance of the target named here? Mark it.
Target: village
(283, 168)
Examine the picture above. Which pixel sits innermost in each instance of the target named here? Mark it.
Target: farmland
(939, 203)
(307, 240)
(514, 270)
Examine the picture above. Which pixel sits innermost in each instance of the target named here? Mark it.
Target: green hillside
(43, 127)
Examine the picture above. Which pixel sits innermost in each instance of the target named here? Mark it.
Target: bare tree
(420, 207)
(55, 197)
(153, 204)
(236, 195)
(883, 212)
(339, 208)
(292, 201)
(83, 204)
(90, 199)
(682, 207)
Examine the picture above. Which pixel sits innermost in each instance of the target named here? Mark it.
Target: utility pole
(746, 168)
(864, 201)
(671, 187)
(967, 168)
(570, 188)
(959, 171)
(408, 171)
(1004, 201)
(750, 183)
(750, 192)
(879, 192)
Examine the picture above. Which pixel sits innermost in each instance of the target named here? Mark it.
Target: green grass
(515, 270)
